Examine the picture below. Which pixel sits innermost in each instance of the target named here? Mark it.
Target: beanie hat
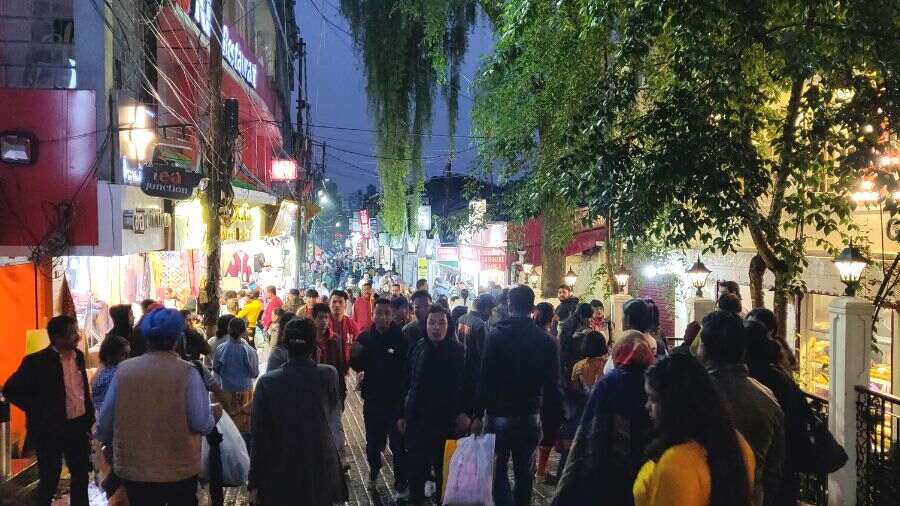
(162, 325)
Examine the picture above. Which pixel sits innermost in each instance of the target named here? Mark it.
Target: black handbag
(821, 453)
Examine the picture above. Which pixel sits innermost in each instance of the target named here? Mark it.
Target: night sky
(338, 97)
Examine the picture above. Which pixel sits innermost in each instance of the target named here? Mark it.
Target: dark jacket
(434, 382)
(382, 357)
(519, 371)
(37, 388)
(471, 332)
(796, 415)
(294, 456)
(191, 345)
(609, 446)
(413, 333)
(563, 311)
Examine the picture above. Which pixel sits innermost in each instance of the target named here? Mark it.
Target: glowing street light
(698, 274)
(850, 264)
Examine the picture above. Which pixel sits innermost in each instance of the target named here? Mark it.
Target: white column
(615, 313)
(849, 354)
(699, 307)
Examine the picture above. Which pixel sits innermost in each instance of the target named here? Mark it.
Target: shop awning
(583, 240)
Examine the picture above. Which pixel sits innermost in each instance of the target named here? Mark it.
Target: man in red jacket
(339, 325)
(363, 309)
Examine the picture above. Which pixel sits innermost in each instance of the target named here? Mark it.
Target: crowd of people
(717, 420)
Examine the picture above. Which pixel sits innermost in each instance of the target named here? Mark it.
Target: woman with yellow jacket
(698, 458)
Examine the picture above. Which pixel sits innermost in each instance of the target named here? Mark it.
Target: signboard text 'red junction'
(201, 13)
(169, 182)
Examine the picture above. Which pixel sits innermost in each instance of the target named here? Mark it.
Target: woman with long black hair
(697, 456)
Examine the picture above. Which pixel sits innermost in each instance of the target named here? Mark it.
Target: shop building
(94, 99)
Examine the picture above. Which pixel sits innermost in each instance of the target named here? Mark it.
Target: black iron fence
(877, 448)
(814, 487)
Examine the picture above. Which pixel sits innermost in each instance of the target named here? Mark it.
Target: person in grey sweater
(756, 412)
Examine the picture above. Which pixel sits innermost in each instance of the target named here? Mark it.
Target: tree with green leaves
(409, 48)
(716, 121)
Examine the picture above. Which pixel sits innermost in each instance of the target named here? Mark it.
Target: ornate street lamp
(622, 275)
(698, 274)
(850, 264)
(571, 277)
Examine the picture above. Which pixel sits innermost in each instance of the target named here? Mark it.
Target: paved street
(359, 471)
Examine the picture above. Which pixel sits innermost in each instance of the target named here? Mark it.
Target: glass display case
(814, 348)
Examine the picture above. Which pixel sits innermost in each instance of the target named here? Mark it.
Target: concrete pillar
(849, 354)
(699, 307)
(615, 313)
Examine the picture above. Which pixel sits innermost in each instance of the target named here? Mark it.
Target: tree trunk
(609, 249)
(757, 271)
(781, 302)
(554, 257)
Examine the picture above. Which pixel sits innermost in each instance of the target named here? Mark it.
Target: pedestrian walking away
(51, 387)
(519, 373)
(157, 401)
(294, 458)
(756, 412)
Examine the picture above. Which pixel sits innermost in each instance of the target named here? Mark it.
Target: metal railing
(814, 487)
(877, 448)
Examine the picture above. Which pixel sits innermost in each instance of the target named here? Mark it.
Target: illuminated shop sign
(139, 220)
(201, 13)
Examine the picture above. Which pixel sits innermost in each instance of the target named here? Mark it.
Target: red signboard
(493, 259)
(65, 171)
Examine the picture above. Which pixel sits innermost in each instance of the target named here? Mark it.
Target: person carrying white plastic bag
(471, 478)
(235, 458)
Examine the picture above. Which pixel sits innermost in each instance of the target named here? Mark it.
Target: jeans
(517, 438)
(381, 426)
(425, 452)
(73, 443)
(176, 493)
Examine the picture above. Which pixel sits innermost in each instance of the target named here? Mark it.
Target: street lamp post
(698, 274)
(622, 275)
(571, 278)
(850, 264)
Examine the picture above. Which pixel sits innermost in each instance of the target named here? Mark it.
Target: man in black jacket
(432, 402)
(519, 374)
(51, 386)
(471, 331)
(415, 331)
(381, 353)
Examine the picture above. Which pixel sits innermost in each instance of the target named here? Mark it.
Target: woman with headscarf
(609, 446)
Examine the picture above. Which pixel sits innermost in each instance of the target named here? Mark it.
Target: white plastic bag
(235, 458)
(470, 481)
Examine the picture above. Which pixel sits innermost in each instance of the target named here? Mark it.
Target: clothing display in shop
(259, 261)
(239, 267)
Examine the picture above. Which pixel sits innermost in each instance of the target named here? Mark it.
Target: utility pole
(212, 202)
(303, 160)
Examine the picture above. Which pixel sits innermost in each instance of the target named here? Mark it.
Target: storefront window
(815, 344)
(38, 45)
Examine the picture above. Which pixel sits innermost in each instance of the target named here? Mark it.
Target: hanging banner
(422, 268)
(169, 182)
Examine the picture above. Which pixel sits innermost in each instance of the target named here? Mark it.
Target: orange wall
(17, 314)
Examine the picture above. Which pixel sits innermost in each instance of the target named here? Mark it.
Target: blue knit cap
(162, 326)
